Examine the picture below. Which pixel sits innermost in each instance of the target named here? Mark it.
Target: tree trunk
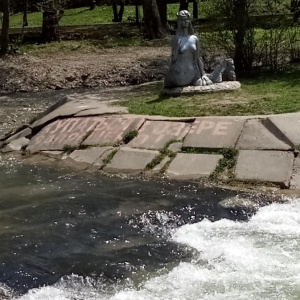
(50, 31)
(5, 28)
(162, 9)
(118, 16)
(92, 4)
(25, 13)
(121, 11)
(137, 14)
(241, 16)
(153, 28)
(115, 11)
(195, 10)
(184, 5)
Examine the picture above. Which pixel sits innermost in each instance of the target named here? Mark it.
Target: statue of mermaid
(187, 68)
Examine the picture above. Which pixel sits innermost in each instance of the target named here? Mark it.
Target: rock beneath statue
(225, 86)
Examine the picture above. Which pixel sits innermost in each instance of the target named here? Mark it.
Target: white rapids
(259, 259)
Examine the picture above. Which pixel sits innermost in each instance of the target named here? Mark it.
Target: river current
(71, 236)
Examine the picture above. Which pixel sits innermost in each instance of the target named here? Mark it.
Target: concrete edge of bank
(99, 136)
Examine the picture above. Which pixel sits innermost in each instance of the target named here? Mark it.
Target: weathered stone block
(128, 160)
(192, 166)
(61, 133)
(269, 166)
(295, 181)
(91, 155)
(214, 132)
(112, 130)
(26, 133)
(16, 145)
(217, 87)
(155, 134)
(65, 109)
(289, 125)
(255, 136)
(156, 169)
(175, 147)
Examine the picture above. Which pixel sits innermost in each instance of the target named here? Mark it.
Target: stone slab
(156, 134)
(13, 132)
(269, 166)
(175, 147)
(54, 153)
(156, 169)
(99, 163)
(103, 109)
(53, 107)
(289, 125)
(68, 109)
(16, 145)
(111, 130)
(128, 160)
(295, 181)
(192, 166)
(255, 136)
(26, 133)
(91, 156)
(61, 133)
(224, 86)
(214, 132)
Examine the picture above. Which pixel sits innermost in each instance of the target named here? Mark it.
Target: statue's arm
(174, 45)
(199, 60)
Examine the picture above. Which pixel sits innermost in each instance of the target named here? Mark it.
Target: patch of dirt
(74, 69)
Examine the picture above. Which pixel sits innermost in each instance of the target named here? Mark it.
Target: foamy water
(259, 259)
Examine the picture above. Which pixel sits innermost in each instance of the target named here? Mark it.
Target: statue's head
(183, 14)
(184, 21)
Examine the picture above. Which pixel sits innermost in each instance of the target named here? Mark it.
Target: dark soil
(74, 69)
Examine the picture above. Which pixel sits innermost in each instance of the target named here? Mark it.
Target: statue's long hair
(179, 32)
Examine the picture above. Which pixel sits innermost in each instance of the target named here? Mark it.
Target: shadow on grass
(159, 99)
(76, 13)
(289, 76)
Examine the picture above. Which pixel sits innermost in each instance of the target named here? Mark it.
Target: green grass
(84, 16)
(130, 136)
(101, 14)
(264, 94)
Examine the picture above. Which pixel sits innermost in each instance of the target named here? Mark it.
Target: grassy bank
(85, 16)
(263, 94)
(104, 14)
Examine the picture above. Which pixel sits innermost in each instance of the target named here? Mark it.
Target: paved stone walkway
(99, 135)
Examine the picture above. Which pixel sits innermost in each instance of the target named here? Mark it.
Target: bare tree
(153, 26)
(235, 29)
(25, 13)
(241, 33)
(184, 5)
(52, 13)
(162, 9)
(5, 28)
(118, 15)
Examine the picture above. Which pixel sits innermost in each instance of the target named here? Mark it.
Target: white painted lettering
(221, 128)
(205, 125)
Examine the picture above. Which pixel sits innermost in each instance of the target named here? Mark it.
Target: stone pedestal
(224, 86)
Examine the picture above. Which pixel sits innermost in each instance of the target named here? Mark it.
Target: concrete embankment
(100, 136)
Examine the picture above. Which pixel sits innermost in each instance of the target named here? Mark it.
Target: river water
(71, 236)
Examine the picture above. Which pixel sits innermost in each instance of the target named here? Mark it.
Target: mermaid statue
(187, 67)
